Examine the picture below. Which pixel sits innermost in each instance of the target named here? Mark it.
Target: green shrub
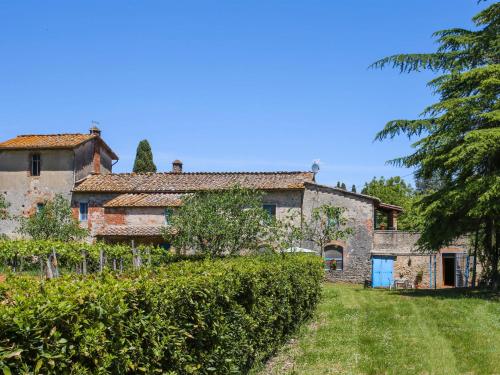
(207, 317)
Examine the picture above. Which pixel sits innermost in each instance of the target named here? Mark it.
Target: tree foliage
(218, 222)
(4, 205)
(144, 158)
(458, 138)
(327, 223)
(54, 221)
(393, 190)
(397, 191)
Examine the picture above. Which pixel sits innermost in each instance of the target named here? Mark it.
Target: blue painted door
(382, 271)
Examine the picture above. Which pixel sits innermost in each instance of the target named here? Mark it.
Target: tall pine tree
(144, 158)
(458, 138)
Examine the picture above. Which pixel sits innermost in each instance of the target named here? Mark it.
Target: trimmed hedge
(207, 317)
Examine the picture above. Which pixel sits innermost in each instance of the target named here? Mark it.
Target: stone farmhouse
(119, 207)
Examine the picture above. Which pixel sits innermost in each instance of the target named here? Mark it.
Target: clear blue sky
(222, 85)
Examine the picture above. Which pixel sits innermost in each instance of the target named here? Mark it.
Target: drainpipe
(430, 271)
(434, 271)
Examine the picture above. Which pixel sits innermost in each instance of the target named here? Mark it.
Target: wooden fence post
(135, 263)
(101, 256)
(84, 262)
(40, 261)
(50, 275)
(54, 263)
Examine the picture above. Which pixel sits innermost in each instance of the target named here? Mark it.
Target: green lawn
(367, 331)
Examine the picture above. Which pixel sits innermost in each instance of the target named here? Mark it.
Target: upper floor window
(35, 165)
(270, 209)
(84, 211)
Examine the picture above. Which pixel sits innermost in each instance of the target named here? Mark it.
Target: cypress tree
(343, 187)
(338, 184)
(144, 158)
(353, 189)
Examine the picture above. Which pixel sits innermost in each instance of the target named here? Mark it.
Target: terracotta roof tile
(145, 200)
(186, 182)
(47, 141)
(130, 230)
(51, 141)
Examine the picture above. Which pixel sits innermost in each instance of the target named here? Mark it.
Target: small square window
(35, 165)
(270, 209)
(84, 211)
(39, 207)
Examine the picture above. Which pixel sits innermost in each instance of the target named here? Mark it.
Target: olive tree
(54, 221)
(218, 222)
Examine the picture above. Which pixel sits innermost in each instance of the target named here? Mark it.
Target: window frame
(83, 216)
(35, 159)
(335, 258)
(272, 212)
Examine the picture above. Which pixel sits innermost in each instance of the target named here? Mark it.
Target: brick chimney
(96, 158)
(177, 166)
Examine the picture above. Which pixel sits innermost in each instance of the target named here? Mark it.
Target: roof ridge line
(51, 135)
(200, 173)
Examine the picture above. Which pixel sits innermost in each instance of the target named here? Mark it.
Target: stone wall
(96, 215)
(409, 262)
(86, 160)
(392, 242)
(83, 160)
(288, 203)
(149, 216)
(24, 191)
(410, 266)
(359, 213)
(106, 162)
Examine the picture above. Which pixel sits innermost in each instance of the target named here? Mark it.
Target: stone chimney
(177, 166)
(94, 130)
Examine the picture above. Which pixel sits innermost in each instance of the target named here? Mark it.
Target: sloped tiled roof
(186, 182)
(51, 141)
(377, 201)
(130, 230)
(145, 200)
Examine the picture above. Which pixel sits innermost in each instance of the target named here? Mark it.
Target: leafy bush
(212, 316)
(53, 221)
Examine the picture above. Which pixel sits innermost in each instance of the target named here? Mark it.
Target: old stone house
(119, 207)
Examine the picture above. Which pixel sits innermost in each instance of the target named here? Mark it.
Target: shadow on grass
(451, 293)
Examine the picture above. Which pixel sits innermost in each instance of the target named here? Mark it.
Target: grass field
(367, 331)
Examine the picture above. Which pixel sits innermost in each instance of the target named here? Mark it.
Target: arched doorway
(334, 257)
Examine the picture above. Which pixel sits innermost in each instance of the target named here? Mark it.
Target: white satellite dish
(315, 166)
